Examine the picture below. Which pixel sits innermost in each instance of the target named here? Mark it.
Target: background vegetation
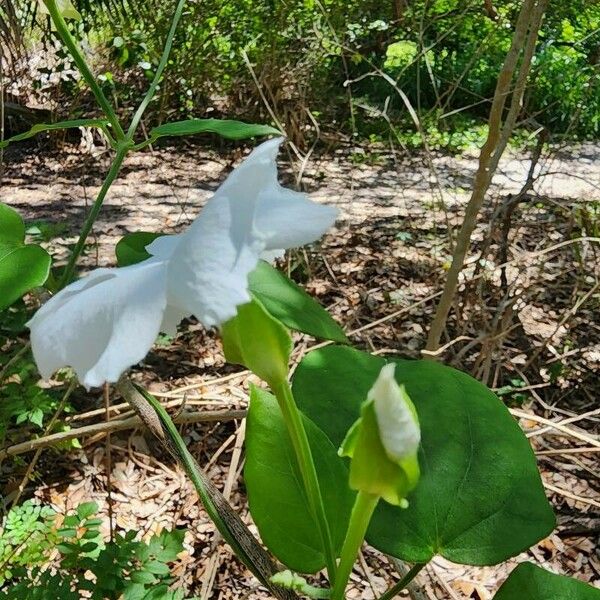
(322, 67)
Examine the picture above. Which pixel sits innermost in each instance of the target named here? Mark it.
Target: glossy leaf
(480, 499)
(12, 228)
(22, 267)
(275, 495)
(41, 127)
(230, 129)
(529, 582)
(131, 248)
(291, 305)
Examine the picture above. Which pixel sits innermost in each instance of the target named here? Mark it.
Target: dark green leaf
(157, 567)
(41, 127)
(21, 269)
(232, 130)
(291, 305)
(275, 495)
(131, 248)
(480, 499)
(144, 577)
(529, 582)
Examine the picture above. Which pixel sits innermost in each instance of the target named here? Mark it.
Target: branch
(524, 42)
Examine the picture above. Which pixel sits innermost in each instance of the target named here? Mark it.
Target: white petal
(102, 324)
(248, 215)
(399, 430)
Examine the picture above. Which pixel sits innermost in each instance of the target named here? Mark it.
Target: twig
(570, 495)
(524, 41)
(580, 450)
(108, 464)
(204, 416)
(38, 452)
(558, 426)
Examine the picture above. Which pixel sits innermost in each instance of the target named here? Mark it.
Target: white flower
(396, 416)
(106, 322)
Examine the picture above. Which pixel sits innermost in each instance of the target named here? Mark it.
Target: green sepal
(258, 341)
(371, 469)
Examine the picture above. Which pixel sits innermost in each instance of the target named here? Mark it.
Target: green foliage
(124, 568)
(42, 127)
(529, 582)
(480, 499)
(291, 305)
(229, 129)
(131, 249)
(258, 341)
(22, 266)
(27, 536)
(23, 401)
(275, 494)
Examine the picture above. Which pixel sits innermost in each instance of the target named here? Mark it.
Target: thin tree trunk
(523, 43)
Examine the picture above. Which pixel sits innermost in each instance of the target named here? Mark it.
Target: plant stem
(115, 166)
(396, 589)
(159, 70)
(75, 52)
(524, 42)
(362, 511)
(297, 433)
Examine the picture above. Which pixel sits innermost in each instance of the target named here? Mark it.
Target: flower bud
(383, 443)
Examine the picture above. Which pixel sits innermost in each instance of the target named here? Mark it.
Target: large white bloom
(106, 322)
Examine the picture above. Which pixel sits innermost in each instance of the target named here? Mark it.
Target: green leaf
(144, 577)
(232, 130)
(529, 582)
(480, 499)
(131, 248)
(258, 341)
(41, 127)
(291, 305)
(12, 227)
(275, 495)
(86, 510)
(21, 269)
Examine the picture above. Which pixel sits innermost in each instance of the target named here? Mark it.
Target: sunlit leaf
(480, 499)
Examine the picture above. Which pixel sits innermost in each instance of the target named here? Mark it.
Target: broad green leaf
(258, 341)
(480, 499)
(275, 494)
(21, 269)
(232, 130)
(12, 228)
(291, 305)
(131, 248)
(529, 582)
(41, 127)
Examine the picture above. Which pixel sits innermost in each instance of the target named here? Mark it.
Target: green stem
(297, 433)
(75, 52)
(396, 589)
(115, 166)
(161, 66)
(364, 505)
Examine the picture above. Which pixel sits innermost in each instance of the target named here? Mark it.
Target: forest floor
(529, 330)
